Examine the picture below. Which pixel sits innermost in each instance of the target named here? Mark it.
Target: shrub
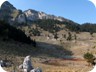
(89, 57)
(69, 38)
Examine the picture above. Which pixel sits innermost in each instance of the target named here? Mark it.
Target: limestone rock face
(35, 15)
(31, 15)
(21, 18)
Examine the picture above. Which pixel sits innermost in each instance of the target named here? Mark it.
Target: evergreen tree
(69, 38)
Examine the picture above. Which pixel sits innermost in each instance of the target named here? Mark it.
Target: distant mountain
(11, 14)
(45, 21)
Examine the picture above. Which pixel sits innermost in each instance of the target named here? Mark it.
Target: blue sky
(80, 11)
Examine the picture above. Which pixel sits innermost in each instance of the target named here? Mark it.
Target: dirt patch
(65, 62)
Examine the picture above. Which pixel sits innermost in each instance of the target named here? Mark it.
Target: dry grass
(68, 65)
(17, 51)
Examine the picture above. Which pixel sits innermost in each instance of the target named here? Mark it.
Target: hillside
(51, 54)
(56, 44)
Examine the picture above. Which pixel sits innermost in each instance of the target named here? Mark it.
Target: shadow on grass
(16, 52)
(52, 50)
(42, 49)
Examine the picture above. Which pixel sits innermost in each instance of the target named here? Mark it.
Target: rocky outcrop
(7, 6)
(31, 15)
(21, 18)
(8, 12)
(35, 15)
(27, 65)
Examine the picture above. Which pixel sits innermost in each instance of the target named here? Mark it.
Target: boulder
(27, 65)
(5, 63)
(2, 63)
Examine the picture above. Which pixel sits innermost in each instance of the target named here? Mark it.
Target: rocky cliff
(9, 13)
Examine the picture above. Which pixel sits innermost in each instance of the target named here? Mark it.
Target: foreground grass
(16, 52)
(68, 66)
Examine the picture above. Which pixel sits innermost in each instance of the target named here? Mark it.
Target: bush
(69, 38)
(89, 57)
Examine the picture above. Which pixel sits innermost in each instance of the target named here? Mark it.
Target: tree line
(50, 25)
(9, 32)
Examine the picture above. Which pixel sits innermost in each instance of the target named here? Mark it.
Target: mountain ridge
(29, 15)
